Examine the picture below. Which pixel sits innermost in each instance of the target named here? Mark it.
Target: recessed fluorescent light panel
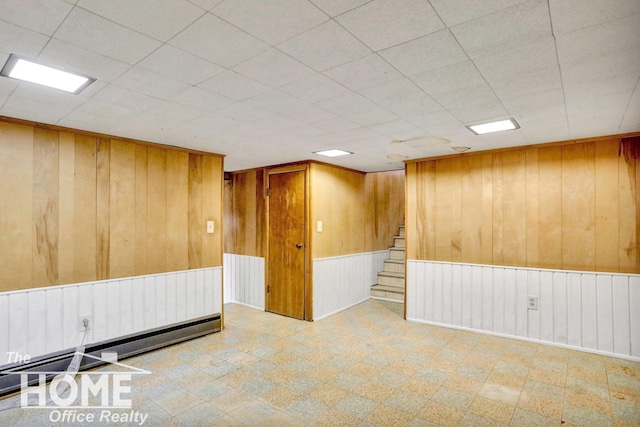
(27, 70)
(332, 153)
(482, 128)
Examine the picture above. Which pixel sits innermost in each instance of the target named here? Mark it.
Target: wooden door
(286, 270)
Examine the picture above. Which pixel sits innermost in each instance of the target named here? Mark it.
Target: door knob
(298, 245)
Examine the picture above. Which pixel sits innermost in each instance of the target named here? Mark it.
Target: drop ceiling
(269, 82)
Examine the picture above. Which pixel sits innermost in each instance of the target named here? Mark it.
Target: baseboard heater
(125, 346)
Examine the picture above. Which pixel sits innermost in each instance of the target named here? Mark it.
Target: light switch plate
(209, 227)
(319, 226)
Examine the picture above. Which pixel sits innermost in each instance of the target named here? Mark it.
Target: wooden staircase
(390, 284)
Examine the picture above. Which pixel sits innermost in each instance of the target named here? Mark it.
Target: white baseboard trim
(324, 316)
(525, 339)
(387, 299)
(255, 307)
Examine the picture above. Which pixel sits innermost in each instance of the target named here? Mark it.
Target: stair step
(399, 241)
(394, 265)
(387, 292)
(391, 279)
(396, 253)
(401, 230)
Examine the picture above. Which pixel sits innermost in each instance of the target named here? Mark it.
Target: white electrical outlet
(532, 302)
(81, 322)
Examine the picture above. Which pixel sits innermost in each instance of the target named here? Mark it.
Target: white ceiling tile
(176, 111)
(589, 91)
(273, 68)
(78, 119)
(315, 88)
(217, 41)
(533, 103)
(631, 119)
(602, 67)
(540, 135)
(72, 58)
(218, 122)
(38, 114)
(160, 19)
(602, 39)
(570, 15)
(150, 83)
(113, 112)
(326, 46)
(512, 138)
(335, 124)
(18, 40)
(364, 72)
(29, 96)
(345, 105)
(206, 4)
(384, 23)
(504, 30)
(373, 116)
(305, 131)
(43, 16)
(426, 53)
(276, 101)
(233, 85)
(448, 78)
(308, 114)
(514, 85)
(436, 123)
(399, 129)
(266, 126)
(468, 99)
(272, 21)
(179, 65)
(243, 112)
(202, 99)
(91, 32)
(125, 97)
(337, 7)
(401, 97)
(454, 12)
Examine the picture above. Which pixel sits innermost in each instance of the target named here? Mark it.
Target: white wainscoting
(597, 312)
(244, 280)
(43, 320)
(342, 282)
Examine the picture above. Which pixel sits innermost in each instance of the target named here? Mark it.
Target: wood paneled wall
(385, 208)
(573, 206)
(245, 227)
(338, 200)
(77, 208)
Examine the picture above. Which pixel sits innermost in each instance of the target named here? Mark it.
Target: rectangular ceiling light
(500, 125)
(27, 70)
(332, 153)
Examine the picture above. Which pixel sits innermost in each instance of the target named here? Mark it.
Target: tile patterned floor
(368, 367)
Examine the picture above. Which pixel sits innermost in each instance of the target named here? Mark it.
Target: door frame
(308, 285)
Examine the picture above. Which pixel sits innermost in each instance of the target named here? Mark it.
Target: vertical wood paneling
(571, 206)
(514, 208)
(472, 215)
(498, 313)
(177, 211)
(37, 313)
(66, 204)
(546, 306)
(533, 316)
(510, 301)
(521, 301)
(533, 210)
(574, 310)
(629, 199)
(578, 207)
(466, 295)
(16, 206)
(550, 207)
(70, 316)
(486, 288)
(156, 210)
(19, 315)
(84, 212)
(212, 210)
(4, 328)
(384, 193)
(456, 294)
(606, 198)
(196, 221)
(103, 187)
(125, 304)
(141, 213)
(45, 208)
(122, 209)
